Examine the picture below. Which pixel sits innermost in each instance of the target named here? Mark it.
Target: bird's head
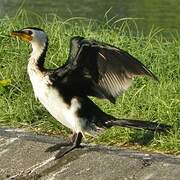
(32, 35)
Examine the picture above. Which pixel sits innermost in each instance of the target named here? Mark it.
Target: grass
(146, 99)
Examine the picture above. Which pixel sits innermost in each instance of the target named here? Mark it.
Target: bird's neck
(38, 54)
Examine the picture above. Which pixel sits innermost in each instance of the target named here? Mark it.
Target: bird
(93, 68)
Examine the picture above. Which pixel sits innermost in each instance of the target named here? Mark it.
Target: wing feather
(105, 71)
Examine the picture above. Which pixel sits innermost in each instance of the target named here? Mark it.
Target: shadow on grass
(141, 138)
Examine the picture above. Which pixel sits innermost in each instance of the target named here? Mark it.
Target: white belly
(54, 103)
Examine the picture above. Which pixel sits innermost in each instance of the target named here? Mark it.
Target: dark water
(158, 13)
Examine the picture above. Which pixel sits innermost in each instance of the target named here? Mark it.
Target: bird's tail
(139, 124)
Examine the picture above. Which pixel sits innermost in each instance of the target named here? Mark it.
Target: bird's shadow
(141, 137)
(138, 137)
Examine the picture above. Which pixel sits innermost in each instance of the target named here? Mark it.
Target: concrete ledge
(23, 156)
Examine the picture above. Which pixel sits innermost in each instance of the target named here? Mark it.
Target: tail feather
(139, 124)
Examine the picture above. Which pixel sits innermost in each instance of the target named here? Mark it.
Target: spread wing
(101, 70)
(110, 68)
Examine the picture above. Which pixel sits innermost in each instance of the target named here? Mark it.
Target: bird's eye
(29, 32)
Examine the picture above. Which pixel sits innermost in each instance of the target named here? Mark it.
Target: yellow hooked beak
(22, 35)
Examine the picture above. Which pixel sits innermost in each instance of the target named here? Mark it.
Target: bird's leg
(61, 145)
(76, 144)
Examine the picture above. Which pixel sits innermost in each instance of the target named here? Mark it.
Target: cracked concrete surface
(23, 157)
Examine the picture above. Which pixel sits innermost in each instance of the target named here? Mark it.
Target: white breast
(54, 103)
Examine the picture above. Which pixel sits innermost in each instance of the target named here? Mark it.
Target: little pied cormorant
(93, 69)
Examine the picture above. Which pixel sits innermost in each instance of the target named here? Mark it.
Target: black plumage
(98, 69)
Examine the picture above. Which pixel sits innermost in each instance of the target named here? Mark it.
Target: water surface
(159, 13)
